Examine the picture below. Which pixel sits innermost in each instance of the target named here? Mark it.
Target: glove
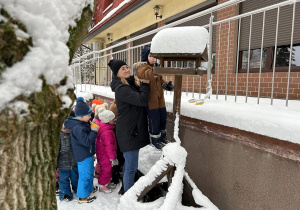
(114, 162)
(170, 86)
(94, 127)
(164, 85)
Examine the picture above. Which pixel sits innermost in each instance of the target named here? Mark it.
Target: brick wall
(228, 67)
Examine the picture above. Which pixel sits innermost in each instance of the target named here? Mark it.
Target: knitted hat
(145, 53)
(115, 65)
(81, 108)
(113, 108)
(105, 115)
(96, 102)
(104, 105)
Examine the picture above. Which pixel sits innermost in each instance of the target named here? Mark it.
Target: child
(156, 110)
(106, 147)
(65, 156)
(67, 166)
(96, 108)
(94, 104)
(83, 136)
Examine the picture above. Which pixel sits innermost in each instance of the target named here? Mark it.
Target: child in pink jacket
(106, 147)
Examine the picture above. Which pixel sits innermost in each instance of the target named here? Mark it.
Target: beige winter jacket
(156, 96)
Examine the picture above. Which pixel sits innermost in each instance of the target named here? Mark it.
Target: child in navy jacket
(83, 136)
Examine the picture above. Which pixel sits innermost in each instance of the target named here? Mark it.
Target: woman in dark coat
(132, 126)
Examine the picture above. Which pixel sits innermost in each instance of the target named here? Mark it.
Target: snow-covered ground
(152, 163)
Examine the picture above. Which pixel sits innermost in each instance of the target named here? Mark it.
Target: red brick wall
(280, 81)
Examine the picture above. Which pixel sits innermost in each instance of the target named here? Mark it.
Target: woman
(132, 127)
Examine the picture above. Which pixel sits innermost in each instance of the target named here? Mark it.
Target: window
(285, 14)
(282, 59)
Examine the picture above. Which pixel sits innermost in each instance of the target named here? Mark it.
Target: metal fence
(225, 80)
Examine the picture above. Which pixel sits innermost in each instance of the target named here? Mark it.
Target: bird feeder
(180, 44)
(177, 44)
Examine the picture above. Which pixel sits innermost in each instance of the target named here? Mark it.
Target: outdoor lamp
(109, 36)
(156, 11)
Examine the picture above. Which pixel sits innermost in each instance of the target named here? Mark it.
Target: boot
(57, 188)
(163, 138)
(86, 200)
(155, 141)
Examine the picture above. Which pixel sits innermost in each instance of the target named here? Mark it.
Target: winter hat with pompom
(104, 105)
(81, 108)
(105, 115)
(96, 102)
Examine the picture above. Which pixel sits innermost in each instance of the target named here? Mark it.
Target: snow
(47, 22)
(277, 120)
(187, 39)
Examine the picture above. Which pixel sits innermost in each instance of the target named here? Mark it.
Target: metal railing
(131, 55)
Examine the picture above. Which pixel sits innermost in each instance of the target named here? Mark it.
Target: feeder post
(209, 64)
(176, 101)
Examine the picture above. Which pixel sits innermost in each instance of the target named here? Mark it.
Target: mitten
(114, 162)
(170, 86)
(164, 85)
(94, 127)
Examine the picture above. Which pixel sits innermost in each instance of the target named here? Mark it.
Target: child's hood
(71, 122)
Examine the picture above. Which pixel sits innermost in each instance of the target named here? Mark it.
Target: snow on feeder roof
(187, 40)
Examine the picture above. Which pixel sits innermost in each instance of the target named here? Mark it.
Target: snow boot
(105, 189)
(155, 141)
(95, 189)
(57, 188)
(86, 200)
(67, 198)
(163, 138)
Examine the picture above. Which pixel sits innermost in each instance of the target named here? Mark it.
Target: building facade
(243, 51)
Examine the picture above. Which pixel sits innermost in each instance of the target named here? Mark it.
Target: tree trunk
(29, 145)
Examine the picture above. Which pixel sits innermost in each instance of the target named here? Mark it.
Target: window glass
(283, 56)
(254, 58)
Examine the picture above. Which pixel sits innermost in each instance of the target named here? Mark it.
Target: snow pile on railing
(172, 154)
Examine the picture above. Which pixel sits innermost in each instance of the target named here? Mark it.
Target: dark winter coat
(132, 125)
(82, 138)
(65, 159)
(156, 98)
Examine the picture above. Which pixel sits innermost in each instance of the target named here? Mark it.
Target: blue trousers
(65, 176)
(129, 168)
(157, 120)
(86, 177)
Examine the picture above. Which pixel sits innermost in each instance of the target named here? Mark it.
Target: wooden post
(148, 188)
(176, 101)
